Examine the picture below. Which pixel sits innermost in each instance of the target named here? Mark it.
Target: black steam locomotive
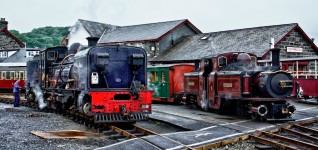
(104, 82)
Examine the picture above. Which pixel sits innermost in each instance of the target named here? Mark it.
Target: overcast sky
(206, 15)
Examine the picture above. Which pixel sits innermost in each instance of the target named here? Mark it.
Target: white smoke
(204, 101)
(80, 101)
(39, 96)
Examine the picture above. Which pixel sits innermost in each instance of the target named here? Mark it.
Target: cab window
(51, 55)
(222, 61)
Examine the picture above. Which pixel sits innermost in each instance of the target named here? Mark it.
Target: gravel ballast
(16, 123)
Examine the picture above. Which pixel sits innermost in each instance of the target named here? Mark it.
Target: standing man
(16, 93)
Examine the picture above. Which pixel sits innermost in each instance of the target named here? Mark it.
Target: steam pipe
(60, 73)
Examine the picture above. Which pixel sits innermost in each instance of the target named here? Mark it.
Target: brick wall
(7, 42)
(295, 39)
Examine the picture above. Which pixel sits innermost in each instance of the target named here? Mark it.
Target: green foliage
(42, 37)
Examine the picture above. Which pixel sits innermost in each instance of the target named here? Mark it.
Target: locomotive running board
(102, 118)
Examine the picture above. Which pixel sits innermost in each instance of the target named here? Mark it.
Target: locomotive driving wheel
(87, 109)
(31, 97)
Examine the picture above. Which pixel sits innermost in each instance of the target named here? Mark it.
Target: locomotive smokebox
(275, 57)
(92, 41)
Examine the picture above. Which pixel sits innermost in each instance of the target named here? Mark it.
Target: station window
(222, 61)
(4, 54)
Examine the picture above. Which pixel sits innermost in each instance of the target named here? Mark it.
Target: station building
(296, 47)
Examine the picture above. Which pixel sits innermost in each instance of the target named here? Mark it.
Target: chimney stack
(275, 57)
(3, 23)
(92, 41)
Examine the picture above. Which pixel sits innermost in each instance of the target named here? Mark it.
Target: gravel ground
(244, 145)
(16, 123)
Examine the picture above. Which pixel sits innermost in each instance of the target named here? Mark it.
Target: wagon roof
(169, 65)
(143, 32)
(252, 40)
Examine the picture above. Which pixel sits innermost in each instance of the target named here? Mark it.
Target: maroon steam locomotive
(234, 79)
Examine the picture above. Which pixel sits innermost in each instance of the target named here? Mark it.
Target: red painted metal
(246, 84)
(106, 101)
(176, 75)
(191, 84)
(229, 85)
(8, 84)
(309, 86)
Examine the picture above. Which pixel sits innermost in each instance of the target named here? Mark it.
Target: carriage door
(164, 83)
(158, 82)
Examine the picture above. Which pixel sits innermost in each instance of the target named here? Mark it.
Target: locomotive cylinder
(261, 110)
(246, 84)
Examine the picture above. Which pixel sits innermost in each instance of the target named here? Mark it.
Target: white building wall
(78, 34)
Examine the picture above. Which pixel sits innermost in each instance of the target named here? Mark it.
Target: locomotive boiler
(234, 80)
(107, 83)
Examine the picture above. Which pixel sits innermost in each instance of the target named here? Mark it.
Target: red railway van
(167, 81)
(8, 78)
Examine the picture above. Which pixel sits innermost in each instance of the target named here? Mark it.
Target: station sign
(294, 49)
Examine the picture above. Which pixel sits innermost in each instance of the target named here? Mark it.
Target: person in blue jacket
(16, 93)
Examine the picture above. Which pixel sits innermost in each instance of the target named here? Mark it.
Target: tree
(42, 37)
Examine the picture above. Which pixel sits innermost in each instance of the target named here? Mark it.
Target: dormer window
(32, 53)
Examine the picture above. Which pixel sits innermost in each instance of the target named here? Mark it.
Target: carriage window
(222, 61)
(51, 55)
(12, 73)
(16, 75)
(163, 77)
(3, 75)
(21, 75)
(154, 76)
(8, 75)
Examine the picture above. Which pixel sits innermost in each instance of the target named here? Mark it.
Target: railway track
(301, 135)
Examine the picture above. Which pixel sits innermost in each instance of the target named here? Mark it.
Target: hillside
(42, 37)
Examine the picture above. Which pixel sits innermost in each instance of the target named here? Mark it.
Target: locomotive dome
(74, 48)
(244, 58)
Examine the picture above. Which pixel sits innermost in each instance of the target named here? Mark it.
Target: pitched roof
(252, 40)
(96, 29)
(5, 30)
(143, 32)
(19, 56)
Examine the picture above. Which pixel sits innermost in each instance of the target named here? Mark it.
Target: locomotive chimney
(92, 41)
(275, 57)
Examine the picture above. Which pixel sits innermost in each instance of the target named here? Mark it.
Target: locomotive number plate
(191, 83)
(227, 85)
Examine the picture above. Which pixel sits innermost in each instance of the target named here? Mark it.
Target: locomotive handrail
(58, 77)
